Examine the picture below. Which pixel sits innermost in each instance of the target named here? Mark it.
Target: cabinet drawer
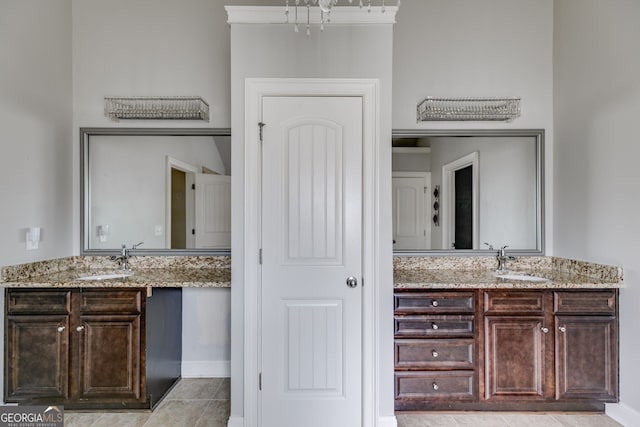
(111, 301)
(434, 302)
(434, 354)
(601, 302)
(458, 385)
(433, 326)
(38, 301)
(514, 302)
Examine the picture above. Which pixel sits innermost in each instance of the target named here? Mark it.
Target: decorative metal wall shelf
(156, 108)
(468, 109)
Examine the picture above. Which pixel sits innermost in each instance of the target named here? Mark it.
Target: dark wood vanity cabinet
(88, 347)
(586, 345)
(434, 348)
(36, 343)
(532, 349)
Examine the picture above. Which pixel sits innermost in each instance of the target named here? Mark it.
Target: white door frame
(255, 90)
(448, 198)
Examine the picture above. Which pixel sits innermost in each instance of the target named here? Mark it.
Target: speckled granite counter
(479, 273)
(182, 272)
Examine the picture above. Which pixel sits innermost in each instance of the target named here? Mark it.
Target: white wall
(477, 48)
(35, 128)
(597, 200)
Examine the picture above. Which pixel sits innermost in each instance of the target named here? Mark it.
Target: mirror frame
(538, 134)
(85, 135)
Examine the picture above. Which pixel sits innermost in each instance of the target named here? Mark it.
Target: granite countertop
(154, 277)
(480, 273)
(167, 272)
(487, 279)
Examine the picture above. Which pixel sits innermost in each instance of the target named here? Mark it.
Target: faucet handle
(136, 245)
(490, 246)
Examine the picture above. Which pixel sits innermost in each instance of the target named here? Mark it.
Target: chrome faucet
(124, 256)
(502, 258)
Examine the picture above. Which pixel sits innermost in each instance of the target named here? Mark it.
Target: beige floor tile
(530, 420)
(426, 420)
(224, 391)
(195, 388)
(216, 414)
(585, 420)
(80, 419)
(122, 419)
(174, 413)
(473, 419)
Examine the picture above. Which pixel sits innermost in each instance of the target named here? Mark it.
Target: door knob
(352, 282)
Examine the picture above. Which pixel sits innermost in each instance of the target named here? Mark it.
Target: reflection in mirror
(454, 190)
(168, 188)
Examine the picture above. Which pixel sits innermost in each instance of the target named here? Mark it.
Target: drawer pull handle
(434, 326)
(60, 328)
(435, 386)
(562, 329)
(434, 353)
(545, 330)
(434, 303)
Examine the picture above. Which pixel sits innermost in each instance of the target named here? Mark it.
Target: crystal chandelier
(325, 10)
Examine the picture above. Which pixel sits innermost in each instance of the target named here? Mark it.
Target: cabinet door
(515, 365)
(110, 357)
(37, 357)
(586, 358)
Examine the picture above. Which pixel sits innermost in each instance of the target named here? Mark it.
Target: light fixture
(468, 109)
(156, 108)
(326, 6)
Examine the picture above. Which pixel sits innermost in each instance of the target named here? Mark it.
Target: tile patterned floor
(204, 402)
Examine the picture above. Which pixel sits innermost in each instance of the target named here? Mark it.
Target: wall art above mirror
(168, 188)
(462, 191)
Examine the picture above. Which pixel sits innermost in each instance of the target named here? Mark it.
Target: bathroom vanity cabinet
(498, 349)
(91, 347)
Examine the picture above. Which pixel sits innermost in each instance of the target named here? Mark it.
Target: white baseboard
(206, 369)
(623, 414)
(387, 421)
(235, 422)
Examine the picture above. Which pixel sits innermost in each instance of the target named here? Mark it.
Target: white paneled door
(213, 211)
(311, 275)
(411, 200)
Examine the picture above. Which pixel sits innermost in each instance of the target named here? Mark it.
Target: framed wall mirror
(458, 192)
(167, 188)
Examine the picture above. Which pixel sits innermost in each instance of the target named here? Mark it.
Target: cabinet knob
(434, 353)
(562, 329)
(434, 326)
(434, 303)
(60, 328)
(80, 328)
(435, 386)
(545, 330)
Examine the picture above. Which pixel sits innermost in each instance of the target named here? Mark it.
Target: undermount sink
(521, 276)
(105, 276)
